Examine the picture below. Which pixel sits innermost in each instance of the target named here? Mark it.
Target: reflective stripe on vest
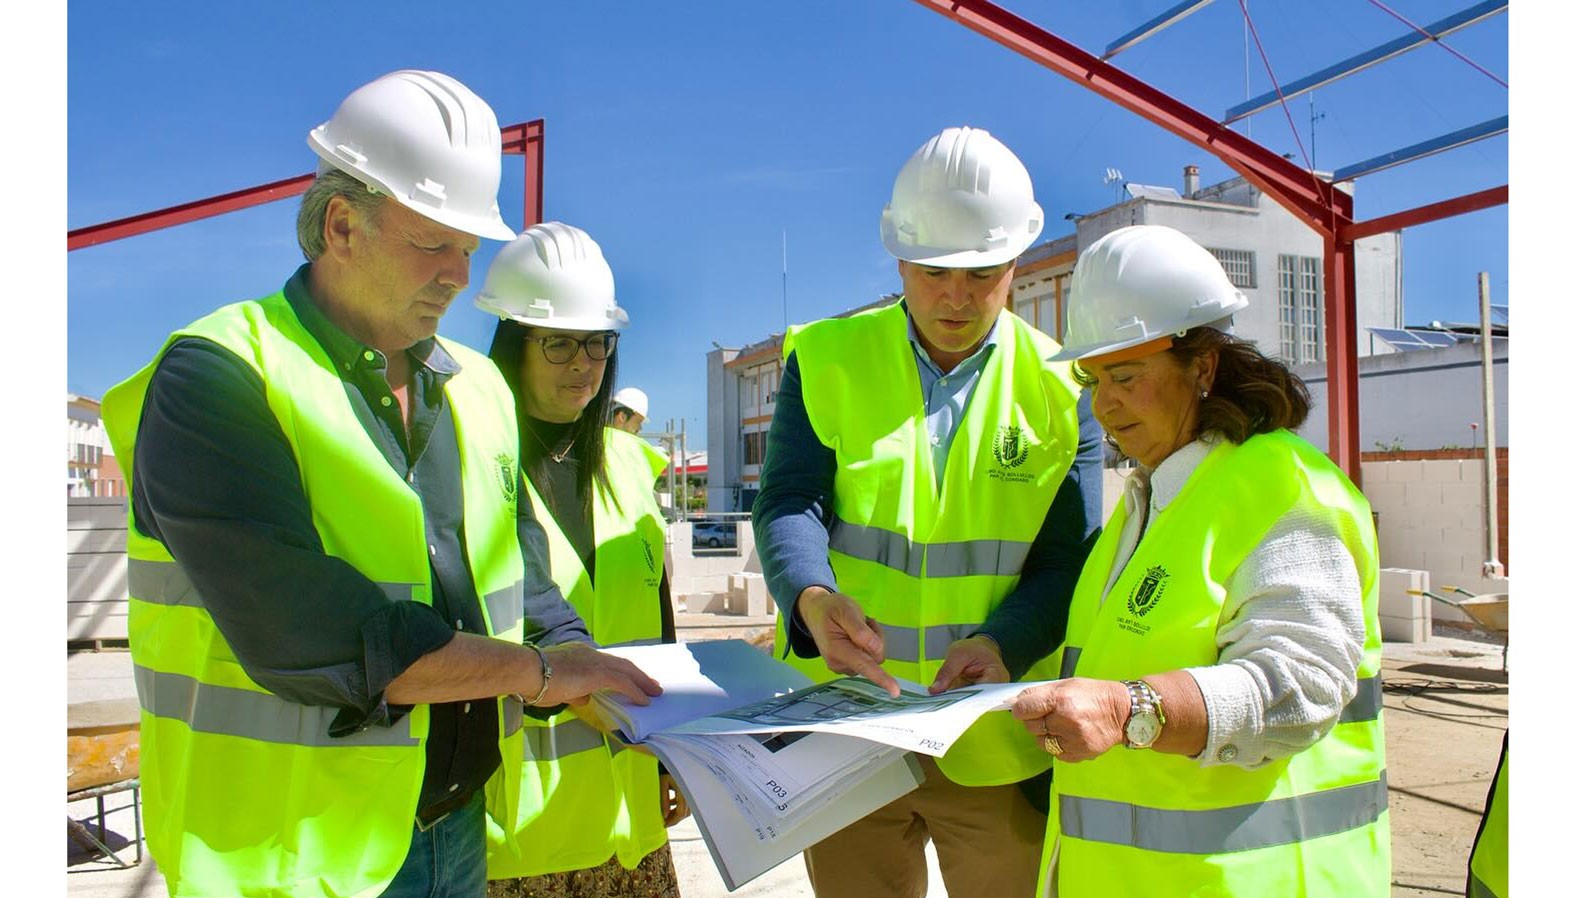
(931, 563)
(343, 825)
(263, 716)
(902, 643)
(968, 558)
(582, 797)
(567, 738)
(1222, 830)
(1314, 823)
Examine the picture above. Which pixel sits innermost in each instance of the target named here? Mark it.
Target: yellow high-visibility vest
(245, 792)
(583, 798)
(1138, 822)
(931, 563)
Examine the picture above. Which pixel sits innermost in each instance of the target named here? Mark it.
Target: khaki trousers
(988, 840)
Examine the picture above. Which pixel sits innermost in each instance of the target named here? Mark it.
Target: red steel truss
(523, 139)
(1326, 210)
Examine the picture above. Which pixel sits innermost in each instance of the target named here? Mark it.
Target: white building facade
(91, 469)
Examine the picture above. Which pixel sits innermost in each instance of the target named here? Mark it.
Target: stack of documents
(772, 763)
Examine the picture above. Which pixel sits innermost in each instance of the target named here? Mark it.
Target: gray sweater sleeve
(793, 510)
(1290, 636)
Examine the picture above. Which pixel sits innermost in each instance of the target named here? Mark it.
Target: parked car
(715, 534)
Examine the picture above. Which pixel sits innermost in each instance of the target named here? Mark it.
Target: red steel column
(535, 166)
(1339, 279)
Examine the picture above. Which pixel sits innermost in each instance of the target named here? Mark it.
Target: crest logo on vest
(1010, 449)
(652, 581)
(1144, 596)
(508, 473)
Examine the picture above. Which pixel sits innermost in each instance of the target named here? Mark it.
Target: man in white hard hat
(931, 488)
(630, 409)
(326, 587)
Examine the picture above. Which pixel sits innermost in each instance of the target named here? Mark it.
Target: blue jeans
(447, 861)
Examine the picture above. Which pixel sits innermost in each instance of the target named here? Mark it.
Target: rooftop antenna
(1246, 65)
(784, 281)
(1113, 176)
(1314, 117)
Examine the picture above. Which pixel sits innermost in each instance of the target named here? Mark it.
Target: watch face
(1142, 728)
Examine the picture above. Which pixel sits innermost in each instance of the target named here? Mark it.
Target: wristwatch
(1147, 717)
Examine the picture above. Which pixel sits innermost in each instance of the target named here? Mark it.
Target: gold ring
(1051, 744)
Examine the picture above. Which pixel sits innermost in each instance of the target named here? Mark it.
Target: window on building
(755, 448)
(769, 386)
(1241, 266)
(1310, 305)
(751, 396)
(1301, 309)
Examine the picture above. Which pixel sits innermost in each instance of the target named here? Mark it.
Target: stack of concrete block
(1404, 616)
(705, 602)
(746, 594)
(96, 601)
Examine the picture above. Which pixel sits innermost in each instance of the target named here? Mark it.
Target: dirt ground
(1444, 716)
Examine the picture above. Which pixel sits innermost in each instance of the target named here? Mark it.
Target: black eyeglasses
(561, 350)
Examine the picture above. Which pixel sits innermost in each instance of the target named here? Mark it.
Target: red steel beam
(195, 210)
(529, 139)
(1306, 196)
(526, 138)
(1460, 205)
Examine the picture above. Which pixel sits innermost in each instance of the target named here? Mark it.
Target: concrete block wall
(704, 578)
(1429, 506)
(1431, 519)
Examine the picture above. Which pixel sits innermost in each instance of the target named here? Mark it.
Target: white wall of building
(86, 445)
(1420, 400)
(724, 447)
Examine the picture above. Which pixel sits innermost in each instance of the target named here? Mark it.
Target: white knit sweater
(1290, 634)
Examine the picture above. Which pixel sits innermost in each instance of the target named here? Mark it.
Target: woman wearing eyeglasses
(581, 805)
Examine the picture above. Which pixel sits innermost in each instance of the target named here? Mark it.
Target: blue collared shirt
(793, 511)
(946, 394)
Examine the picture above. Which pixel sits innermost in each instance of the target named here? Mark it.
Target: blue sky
(687, 137)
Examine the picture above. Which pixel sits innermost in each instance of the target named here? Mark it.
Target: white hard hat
(962, 201)
(552, 275)
(425, 140)
(635, 400)
(1141, 283)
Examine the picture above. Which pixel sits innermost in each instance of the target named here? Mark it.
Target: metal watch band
(1145, 699)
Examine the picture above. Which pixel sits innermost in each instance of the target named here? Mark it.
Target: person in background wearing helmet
(930, 490)
(326, 615)
(584, 802)
(1217, 730)
(630, 408)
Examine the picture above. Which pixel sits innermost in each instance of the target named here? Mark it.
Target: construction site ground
(1446, 708)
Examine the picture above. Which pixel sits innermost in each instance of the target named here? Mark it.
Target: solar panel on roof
(1411, 341)
(1434, 338)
